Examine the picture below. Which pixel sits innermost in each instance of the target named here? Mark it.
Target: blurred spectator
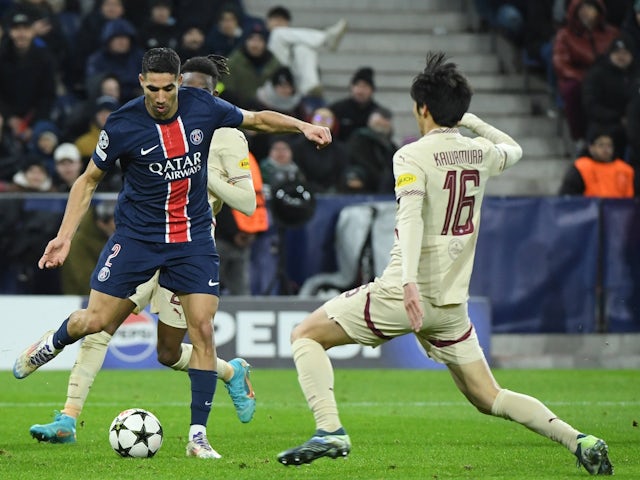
(94, 230)
(607, 89)
(79, 119)
(323, 168)
(200, 13)
(32, 177)
(353, 111)
(27, 78)
(250, 66)
(49, 32)
(371, 150)
(278, 94)
(68, 166)
(298, 48)
(192, 43)
(617, 11)
(631, 26)
(235, 235)
(86, 142)
(226, 34)
(160, 28)
(88, 37)
(119, 56)
(585, 36)
(538, 36)
(599, 173)
(278, 166)
(506, 17)
(10, 148)
(43, 142)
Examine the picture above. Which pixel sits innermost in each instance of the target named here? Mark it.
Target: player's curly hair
(161, 60)
(213, 65)
(443, 89)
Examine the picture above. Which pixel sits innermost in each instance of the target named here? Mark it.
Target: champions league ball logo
(134, 343)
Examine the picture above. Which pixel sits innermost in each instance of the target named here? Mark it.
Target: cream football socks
(534, 415)
(315, 375)
(84, 371)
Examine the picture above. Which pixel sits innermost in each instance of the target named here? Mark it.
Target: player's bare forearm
(56, 251)
(267, 121)
(77, 204)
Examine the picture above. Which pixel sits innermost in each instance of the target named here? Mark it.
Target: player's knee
(167, 356)
(90, 323)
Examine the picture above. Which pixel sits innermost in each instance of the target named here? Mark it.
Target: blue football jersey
(164, 165)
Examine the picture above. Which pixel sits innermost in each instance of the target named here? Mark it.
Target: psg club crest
(196, 136)
(104, 274)
(103, 140)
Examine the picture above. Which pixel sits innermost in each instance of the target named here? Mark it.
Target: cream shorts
(164, 303)
(372, 315)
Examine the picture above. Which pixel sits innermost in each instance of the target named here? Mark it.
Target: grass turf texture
(403, 425)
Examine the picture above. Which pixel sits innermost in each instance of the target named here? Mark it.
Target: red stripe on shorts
(367, 318)
(446, 343)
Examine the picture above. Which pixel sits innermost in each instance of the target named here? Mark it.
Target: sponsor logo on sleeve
(405, 179)
(244, 164)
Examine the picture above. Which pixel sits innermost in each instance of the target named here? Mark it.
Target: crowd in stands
(65, 65)
(589, 53)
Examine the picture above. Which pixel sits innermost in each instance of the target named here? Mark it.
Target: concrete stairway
(393, 38)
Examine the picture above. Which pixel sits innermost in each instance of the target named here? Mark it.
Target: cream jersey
(439, 184)
(228, 172)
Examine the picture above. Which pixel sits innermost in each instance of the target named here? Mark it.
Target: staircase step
(409, 64)
(336, 83)
(417, 7)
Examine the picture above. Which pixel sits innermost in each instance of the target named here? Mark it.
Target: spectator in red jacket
(585, 36)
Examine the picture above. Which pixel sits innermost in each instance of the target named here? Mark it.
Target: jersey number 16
(459, 203)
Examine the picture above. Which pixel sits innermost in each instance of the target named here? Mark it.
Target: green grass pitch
(404, 424)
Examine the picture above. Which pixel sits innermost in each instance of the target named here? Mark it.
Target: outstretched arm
(267, 121)
(80, 196)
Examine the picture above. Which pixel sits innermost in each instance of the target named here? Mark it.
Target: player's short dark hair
(443, 89)
(213, 65)
(161, 60)
(279, 12)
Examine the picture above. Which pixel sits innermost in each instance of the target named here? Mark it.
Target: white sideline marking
(634, 403)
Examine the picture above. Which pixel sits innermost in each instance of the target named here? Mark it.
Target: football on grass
(135, 433)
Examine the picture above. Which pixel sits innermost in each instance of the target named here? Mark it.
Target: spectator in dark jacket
(323, 168)
(160, 28)
(353, 111)
(120, 56)
(607, 90)
(585, 36)
(226, 34)
(27, 78)
(371, 150)
(631, 27)
(88, 37)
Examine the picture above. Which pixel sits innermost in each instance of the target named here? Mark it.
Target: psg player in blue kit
(163, 219)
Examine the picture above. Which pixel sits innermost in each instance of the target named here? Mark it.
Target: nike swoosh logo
(148, 150)
(208, 404)
(212, 283)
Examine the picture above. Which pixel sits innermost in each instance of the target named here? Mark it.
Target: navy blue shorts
(125, 263)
